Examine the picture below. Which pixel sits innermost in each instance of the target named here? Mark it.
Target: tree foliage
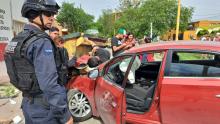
(105, 23)
(137, 18)
(125, 4)
(74, 19)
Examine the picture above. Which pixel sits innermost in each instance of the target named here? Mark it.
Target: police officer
(33, 66)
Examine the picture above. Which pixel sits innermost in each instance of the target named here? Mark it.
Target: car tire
(79, 106)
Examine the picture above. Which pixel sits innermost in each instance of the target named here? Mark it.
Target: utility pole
(178, 21)
(114, 22)
(151, 31)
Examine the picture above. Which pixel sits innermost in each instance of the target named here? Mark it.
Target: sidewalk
(9, 109)
(3, 73)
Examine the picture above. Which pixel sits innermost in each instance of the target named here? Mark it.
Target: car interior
(139, 95)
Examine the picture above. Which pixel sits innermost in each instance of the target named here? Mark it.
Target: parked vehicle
(179, 85)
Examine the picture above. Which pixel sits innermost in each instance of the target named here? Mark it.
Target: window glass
(194, 64)
(158, 56)
(195, 56)
(151, 57)
(115, 71)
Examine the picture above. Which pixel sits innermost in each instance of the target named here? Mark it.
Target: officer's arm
(41, 54)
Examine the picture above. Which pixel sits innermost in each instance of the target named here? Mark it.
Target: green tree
(125, 4)
(105, 23)
(74, 19)
(162, 13)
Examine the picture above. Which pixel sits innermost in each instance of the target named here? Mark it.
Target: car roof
(164, 45)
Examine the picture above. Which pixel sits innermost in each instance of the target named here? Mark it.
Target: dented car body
(175, 82)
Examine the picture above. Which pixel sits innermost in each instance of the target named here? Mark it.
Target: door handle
(217, 96)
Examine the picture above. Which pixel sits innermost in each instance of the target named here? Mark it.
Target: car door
(190, 89)
(109, 92)
(142, 97)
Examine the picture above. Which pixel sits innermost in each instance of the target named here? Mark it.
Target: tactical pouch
(10, 70)
(19, 69)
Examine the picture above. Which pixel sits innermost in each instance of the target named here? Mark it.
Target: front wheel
(79, 105)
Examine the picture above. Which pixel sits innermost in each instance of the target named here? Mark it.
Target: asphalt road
(90, 121)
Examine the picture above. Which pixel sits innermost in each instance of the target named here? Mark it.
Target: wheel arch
(87, 87)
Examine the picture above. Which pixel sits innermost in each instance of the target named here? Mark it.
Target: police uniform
(34, 67)
(51, 106)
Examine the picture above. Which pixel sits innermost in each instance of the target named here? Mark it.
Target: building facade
(191, 32)
(11, 22)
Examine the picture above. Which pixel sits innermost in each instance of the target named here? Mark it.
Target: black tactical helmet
(39, 6)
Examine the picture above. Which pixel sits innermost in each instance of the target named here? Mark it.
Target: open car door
(109, 92)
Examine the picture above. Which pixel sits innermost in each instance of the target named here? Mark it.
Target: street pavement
(90, 121)
(10, 109)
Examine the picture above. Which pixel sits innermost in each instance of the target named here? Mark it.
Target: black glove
(72, 62)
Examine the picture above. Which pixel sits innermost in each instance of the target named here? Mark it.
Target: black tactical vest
(21, 71)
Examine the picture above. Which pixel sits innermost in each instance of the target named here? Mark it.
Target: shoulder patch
(48, 51)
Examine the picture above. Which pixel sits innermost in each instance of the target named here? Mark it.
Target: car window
(195, 56)
(114, 72)
(194, 64)
(151, 57)
(158, 56)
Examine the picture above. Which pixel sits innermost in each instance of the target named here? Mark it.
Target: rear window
(194, 64)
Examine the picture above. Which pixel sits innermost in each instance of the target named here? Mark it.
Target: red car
(179, 84)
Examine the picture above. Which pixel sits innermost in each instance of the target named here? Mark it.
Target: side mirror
(93, 74)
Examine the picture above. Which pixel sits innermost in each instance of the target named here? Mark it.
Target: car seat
(138, 98)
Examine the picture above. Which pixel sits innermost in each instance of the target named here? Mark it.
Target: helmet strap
(41, 26)
(42, 23)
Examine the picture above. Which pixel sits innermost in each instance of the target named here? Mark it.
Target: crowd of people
(209, 38)
(120, 42)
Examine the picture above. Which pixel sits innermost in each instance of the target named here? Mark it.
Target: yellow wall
(187, 33)
(169, 36)
(206, 23)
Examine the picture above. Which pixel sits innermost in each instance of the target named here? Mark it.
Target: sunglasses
(48, 14)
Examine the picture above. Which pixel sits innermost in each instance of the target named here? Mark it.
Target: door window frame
(169, 60)
(114, 61)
